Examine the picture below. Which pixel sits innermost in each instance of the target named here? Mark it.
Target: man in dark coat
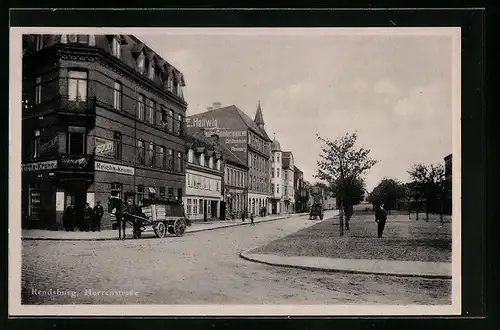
(380, 218)
(87, 217)
(98, 212)
(69, 218)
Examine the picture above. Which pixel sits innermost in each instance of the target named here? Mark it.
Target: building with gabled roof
(247, 139)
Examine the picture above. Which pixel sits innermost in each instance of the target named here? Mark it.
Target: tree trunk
(427, 211)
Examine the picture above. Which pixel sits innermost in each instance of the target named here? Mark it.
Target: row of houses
(106, 113)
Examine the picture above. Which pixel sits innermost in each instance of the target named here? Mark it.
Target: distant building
(288, 182)
(235, 184)
(301, 191)
(245, 138)
(276, 178)
(203, 178)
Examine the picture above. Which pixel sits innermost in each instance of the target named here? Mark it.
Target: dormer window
(218, 165)
(179, 90)
(152, 71)
(116, 48)
(170, 84)
(202, 160)
(175, 88)
(211, 162)
(140, 63)
(190, 155)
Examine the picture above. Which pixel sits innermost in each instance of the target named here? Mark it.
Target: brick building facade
(101, 113)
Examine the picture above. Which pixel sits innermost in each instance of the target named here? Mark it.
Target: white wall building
(203, 179)
(276, 179)
(287, 182)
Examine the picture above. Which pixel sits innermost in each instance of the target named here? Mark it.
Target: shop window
(38, 90)
(36, 143)
(151, 111)
(151, 154)
(140, 152)
(34, 200)
(179, 193)
(140, 107)
(76, 140)
(140, 194)
(188, 206)
(77, 85)
(162, 192)
(117, 136)
(170, 192)
(195, 206)
(116, 47)
(161, 156)
(117, 96)
(116, 189)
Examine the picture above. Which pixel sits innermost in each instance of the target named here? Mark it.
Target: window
(188, 206)
(34, 200)
(161, 157)
(77, 86)
(117, 136)
(140, 107)
(178, 163)
(151, 154)
(201, 206)
(140, 194)
(250, 161)
(273, 186)
(117, 96)
(278, 158)
(278, 172)
(286, 175)
(116, 47)
(76, 140)
(170, 192)
(170, 84)
(170, 160)
(179, 193)
(277, 188)
(218, 185)
(164, 117)
(272, 174)
(39, 42)
(170, 123)
(38, 90)
(140, 152)
(151, 111)
(179, 90)
(140, 63)
(285, 189)
(178, 125)
(195, 206)
(36, 143)
(218, 165)
(116, 189)
(211, 162)
(190, 155)
(78, 38)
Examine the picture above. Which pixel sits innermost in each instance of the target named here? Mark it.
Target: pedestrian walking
(251, 219)
(98, 212)
(380, 219)
(69, 218)
(87, 217)
(243, 215)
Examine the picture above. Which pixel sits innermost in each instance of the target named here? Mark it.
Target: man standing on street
(98, 212)
(69, 218)
(380, 218)
(87, 217)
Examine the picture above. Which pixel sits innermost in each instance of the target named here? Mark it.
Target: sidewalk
(39, 234)
(439, 270)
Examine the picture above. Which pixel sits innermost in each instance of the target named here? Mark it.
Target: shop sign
(74, 163)
(105, 148)
(113, 168)
(40, 166)
(236, 191)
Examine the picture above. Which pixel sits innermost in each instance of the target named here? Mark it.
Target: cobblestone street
(203, 268)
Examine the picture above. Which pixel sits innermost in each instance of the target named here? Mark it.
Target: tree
(388, 192)
(428, 182)
(353, 192)
(341, 164)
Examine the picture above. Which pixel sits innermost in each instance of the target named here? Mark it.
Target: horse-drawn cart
(166, 216)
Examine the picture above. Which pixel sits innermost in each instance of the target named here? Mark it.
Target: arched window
(190, 155)
(141, 62)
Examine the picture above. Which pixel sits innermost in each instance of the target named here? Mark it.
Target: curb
(244, 256)
(115, 239)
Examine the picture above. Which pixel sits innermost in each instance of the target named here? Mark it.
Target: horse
(115, 207)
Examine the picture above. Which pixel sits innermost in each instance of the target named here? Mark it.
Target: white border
(15, 307)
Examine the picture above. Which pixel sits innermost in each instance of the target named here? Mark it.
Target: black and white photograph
(242, 171)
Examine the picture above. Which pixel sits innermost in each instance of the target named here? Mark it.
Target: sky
(394, 90)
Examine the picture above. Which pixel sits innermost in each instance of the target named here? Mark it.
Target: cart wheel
(179, 227)
(161, 230)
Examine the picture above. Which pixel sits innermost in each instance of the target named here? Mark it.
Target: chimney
(216, 105)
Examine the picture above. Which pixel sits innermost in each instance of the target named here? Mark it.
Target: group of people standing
(89, 219)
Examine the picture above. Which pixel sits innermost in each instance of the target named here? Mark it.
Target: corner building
(248, 140)
(101, 113)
